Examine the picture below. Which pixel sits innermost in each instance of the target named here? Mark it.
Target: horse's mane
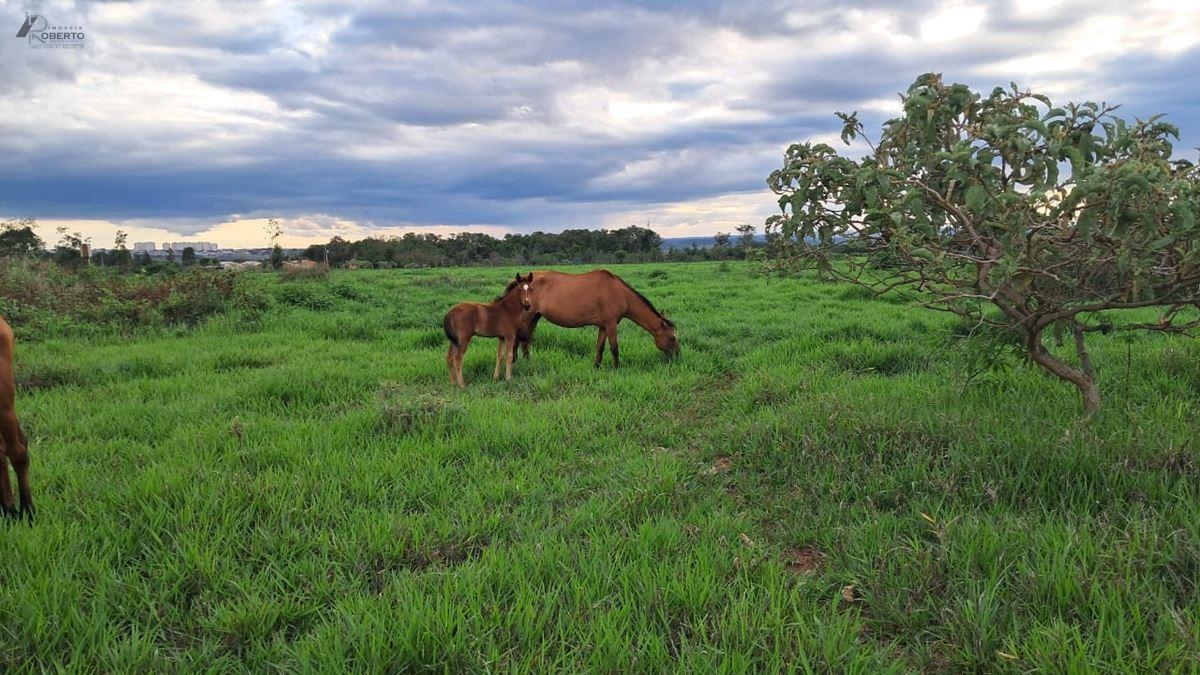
(507, 289)
(643, 299)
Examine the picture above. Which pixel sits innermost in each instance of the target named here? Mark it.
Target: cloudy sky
(198, 120)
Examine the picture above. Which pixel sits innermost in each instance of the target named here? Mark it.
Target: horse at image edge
(13, 446)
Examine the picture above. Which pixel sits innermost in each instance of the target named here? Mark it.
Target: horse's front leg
(6, 497)
(599, 346)
(525, 336)
(612, 345)
(510, 356)
(13, 445)
(500, 353)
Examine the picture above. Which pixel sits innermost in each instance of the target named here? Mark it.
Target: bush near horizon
(47, 300)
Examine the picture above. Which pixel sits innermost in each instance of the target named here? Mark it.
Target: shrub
(46, 299)
(299, 273)
(311, 297)
(403, 411)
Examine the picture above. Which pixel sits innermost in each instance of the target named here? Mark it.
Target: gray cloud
(487, 113)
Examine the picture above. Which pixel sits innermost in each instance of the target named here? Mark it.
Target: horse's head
(524, 286)
(665, 338)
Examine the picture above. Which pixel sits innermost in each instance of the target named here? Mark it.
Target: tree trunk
(1084, 380)
(1090, 391)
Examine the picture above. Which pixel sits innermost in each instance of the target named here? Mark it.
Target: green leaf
(976, 198)
(1162, 242)
(1087, 220)
(1076, 158)
(1185, 219)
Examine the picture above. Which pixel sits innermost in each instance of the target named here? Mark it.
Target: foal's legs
(454, 360)
(501, 352)
(506, 350)
(12, 441)
(462, 353)
(510, 356)
(450, 361)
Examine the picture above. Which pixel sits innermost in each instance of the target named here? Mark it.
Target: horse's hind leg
(454, 361)
(458, 359)
(6, 497)
(21, 467)
(450, 364)
(18, 453)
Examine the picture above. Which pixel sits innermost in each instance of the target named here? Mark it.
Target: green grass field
(813, 487)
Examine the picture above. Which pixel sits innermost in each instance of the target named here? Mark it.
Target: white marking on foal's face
(526, 303)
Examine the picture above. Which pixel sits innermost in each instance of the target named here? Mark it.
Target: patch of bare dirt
(805, 560)
(721, 465)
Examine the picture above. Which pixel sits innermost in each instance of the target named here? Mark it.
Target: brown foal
(499, 319)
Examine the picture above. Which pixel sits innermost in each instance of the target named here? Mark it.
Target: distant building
(144, 246)
(196, 246)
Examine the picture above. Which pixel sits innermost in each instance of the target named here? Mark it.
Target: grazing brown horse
(596, 298)
(500, 318)
(12, 441)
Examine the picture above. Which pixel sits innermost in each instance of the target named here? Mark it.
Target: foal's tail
(448, 326)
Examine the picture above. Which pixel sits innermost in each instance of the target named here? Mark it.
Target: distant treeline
(630, 244)
(633, 244)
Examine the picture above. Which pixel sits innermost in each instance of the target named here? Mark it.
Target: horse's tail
(448, 326)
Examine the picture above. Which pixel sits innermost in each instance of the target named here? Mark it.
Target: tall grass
(47, 300)
(815, 486)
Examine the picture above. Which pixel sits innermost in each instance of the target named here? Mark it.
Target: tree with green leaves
(18, 239)
(69, 250)
(745, 237)
(120, 255)
(1007, 210)
(274, 230)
